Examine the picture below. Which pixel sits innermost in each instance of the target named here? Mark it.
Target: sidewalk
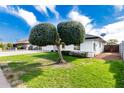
(3, 82)
(18, 52)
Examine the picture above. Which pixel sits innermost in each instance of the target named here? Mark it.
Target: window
(94, 46)
(100, 44)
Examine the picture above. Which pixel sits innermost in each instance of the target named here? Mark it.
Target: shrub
(9, 46)
(79, 54)
(75, 54)
(20, 47)
(65, 52)
(1, 45)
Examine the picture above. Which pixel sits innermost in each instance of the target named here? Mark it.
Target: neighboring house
(93, 45)
(24, 44)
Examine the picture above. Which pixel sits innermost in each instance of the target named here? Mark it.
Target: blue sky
(16, 21)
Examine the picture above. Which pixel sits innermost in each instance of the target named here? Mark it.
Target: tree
(9, 45)
(43, 34)
(1, 45)
(71, 32)
(112, 42)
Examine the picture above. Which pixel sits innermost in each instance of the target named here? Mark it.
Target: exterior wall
(92, 46)
(87, 46)
(99, 47)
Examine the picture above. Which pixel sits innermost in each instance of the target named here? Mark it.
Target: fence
(111, 48)
(121, 49)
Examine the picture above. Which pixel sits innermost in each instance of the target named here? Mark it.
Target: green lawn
(40, 71)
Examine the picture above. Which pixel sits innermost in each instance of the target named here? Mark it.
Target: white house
(93, 45)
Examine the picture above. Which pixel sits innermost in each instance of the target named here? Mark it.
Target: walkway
(18, 52)
(3, 82)
(109, 56)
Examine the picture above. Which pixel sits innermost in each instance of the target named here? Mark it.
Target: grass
(40, 71)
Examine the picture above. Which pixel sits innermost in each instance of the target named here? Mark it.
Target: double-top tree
(71, 32)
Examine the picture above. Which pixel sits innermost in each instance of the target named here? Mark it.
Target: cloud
(43, 9)
(27, 16)
(86, 21)
(114, 30)
(118, 8)
(3, 6)
(120, 18)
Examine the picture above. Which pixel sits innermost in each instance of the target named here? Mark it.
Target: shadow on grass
(117, 67)
(53, 56)
(34, 69)
(30, 70)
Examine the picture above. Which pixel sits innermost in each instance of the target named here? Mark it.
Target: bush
(20, 47)
(9, 45)
(1, 45)
(66, 53)
(79, 54)
(75, 54)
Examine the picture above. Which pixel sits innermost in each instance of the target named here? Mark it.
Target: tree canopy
(112, 42)
(71, 32)
(43, 34)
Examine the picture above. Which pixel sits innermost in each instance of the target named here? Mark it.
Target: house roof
(24, 41)
(88, 36)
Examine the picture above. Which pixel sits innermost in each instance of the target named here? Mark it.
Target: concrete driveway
(18, 52)
(109, 56)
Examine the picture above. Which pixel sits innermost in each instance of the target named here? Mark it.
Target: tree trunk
(61, 59)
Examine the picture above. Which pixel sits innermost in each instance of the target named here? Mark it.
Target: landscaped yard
(40, 71)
